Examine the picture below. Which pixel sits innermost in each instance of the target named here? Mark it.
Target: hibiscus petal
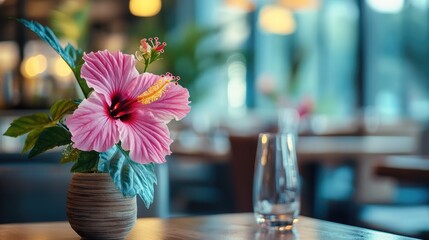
(145, 137)
(91, 126)
(142, 83)
(109, 73)
(173, 103)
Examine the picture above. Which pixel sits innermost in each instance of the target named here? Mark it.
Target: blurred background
(357, 72)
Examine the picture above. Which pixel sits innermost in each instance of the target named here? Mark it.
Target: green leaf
(61, 108)
(31, 139)
(25, 124)
(50, 137)
(82, 82)
(70, 154)
(130, 177)
(87, 162)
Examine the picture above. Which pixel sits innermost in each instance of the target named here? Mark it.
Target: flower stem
(146, 64)
(82, 84)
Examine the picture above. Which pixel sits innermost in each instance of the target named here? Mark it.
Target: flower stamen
(157, 89)
(154, 92)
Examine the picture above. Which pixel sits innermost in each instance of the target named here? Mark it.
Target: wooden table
(328, 149)
(227, 226)
(405, 168)
(331, 149)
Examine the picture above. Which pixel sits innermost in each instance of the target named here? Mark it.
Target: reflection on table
(228, 226)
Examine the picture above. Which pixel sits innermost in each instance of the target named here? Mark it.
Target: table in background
(408, 172)
(313, 153)
(358, 153)
(226, 226)
(328, 149)
(405, 168)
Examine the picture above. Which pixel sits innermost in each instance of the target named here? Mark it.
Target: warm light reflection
(300, 4)
(153, 227)
(145, 8)
(276, 19)
(246, 5)
(34, 66)
(8, 55)
(264, 139)
(264, 157)
(264, 149)
(61, 69)
(114, 42)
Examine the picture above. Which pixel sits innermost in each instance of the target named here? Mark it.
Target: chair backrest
(243, 153)
(35, 190)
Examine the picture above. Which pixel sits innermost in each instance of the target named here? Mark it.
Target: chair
(35, 190)
(406, 218)
(243, 153)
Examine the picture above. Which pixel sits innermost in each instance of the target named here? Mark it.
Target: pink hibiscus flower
(126, 107)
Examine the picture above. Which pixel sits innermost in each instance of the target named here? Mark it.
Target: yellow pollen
(154, 92)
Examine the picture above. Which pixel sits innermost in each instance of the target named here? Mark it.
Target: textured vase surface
(96, 209)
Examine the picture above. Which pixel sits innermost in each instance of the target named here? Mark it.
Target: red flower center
(121, 108)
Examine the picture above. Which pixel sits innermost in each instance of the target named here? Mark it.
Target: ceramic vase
(96, 209)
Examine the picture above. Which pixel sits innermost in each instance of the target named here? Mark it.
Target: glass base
(280, 222)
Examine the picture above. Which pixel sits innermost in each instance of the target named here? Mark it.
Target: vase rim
(89, 174)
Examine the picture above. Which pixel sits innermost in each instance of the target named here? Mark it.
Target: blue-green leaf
(72, 56)
(130, 177)
(75, 54)
(46, 34)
